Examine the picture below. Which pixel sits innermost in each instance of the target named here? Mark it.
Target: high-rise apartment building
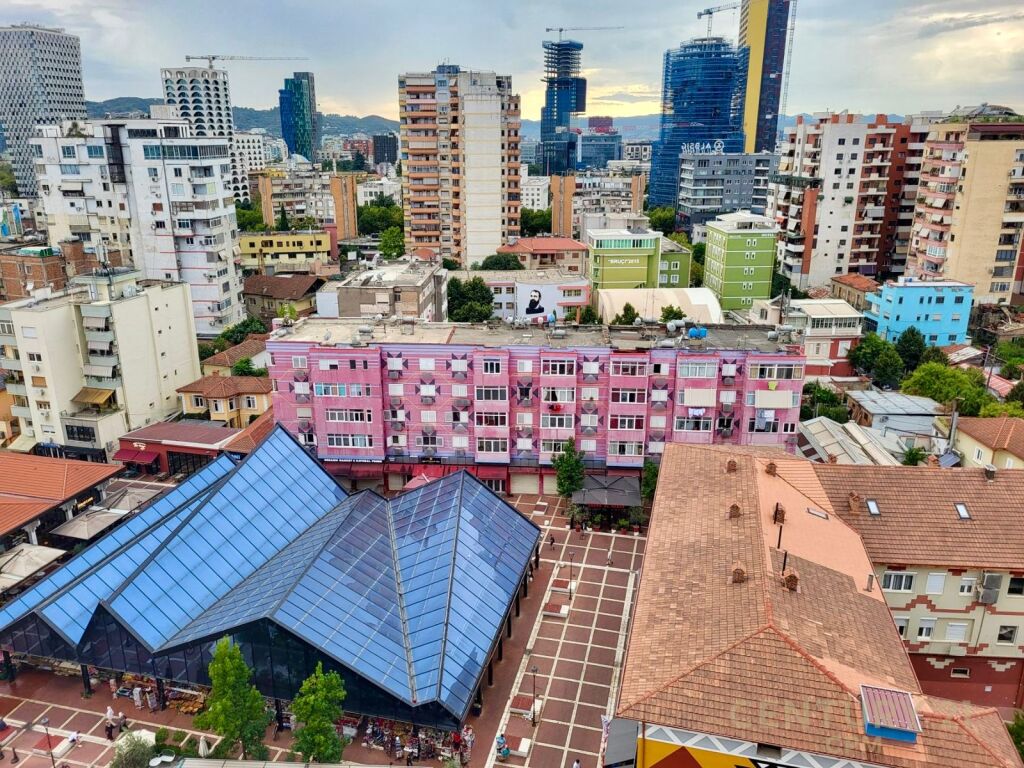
(304, 190)
(838, 196)
(740, 258)
(40, 84)
(300, 124)
(385, 148)
(564, 96)
(701, 109)
(460, 160)
(763, 30)
(710, 185)
(202, 95)
(970, 206)
(88, 364)
(574, 197)
(248, 154)
(153, 190)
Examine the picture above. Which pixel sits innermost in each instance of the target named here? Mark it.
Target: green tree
(318, 705)
(305, 222)
(392, 243)
(1012, 408)
(243, 367)
(288, 313)
(649, 480)
(470, 301)
(206, 349)
(234, 708)
(671, 312)
(943, 385)
(627, 316)
(1011, 371)
(888, 368)
(7, 182)
(910, 347)
(282, 220)
(699, 249)
(507, 261)
(534, 222)
(663, 219)
(1016, 729)
(781, 285)
(821, 401)
(934, 355)
(696, 272)
(680, 238)
(914, 456)
(863, 356)
(398, 169)
(569, 469)
(379, 214)
(589, 316)
(450, 264)
(1016, 394)
(131, 751)
(250, 220)
(239, 332)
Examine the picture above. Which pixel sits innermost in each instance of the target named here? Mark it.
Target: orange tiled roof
(858, 282)
(252, 346)
(228, 386)
(1001, 433)
(760, 662)
(542, 245)
(918, 524)
(247, 440)
(290, 287)
(30, 485)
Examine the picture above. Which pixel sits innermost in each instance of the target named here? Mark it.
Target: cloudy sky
(863, 55)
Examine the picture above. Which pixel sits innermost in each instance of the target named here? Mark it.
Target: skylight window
(817, 513)
(962, 512)
(873, 507)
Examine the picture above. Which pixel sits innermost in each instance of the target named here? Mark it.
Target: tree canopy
(569, 469)
(663, 219)
(249, 217)
(911, 348)
(888, 368)
(7, 181)
(131, 751)
(699, 249)
(864, 355)
(589, 316)
(1010, 408)
(378, 215)
(914, 456)
(282, 220)
(239, 332)
(506, 261)
(671, 312)
(943, 385)
(317, 707)
(392, 243)
(649, 480)
(244, 367)
(534, 222)
(470, 301)
(234, 707)
(627, 316)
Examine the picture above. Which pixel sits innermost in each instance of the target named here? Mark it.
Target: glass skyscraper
(701, 109)
(566, 95)
(763, 30)
(300, 124)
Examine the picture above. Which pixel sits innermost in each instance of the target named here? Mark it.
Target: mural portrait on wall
(534, 306)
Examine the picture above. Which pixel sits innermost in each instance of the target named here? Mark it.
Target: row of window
(956, 632)
(217, 406)
(935, 583)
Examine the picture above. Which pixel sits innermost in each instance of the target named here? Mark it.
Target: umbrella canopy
(90, 523)
(24, 560)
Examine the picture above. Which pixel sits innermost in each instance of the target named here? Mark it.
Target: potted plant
(623, 525)
(636, 519)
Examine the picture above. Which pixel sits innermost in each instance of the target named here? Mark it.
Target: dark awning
(609, 491)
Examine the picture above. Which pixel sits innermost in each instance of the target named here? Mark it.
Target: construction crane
(560, 30)
(790, 33)
(709, 12)
(212, 57)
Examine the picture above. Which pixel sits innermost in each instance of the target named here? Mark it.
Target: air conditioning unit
(725, 431)
(44, 414)
(988, 591)
(727, 407)
(36, 369)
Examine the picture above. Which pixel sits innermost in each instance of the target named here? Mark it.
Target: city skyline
(940, 51)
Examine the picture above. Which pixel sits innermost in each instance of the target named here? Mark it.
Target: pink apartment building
(383, 403)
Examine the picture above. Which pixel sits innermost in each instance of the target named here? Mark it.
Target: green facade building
(740, 258)
(636, 258)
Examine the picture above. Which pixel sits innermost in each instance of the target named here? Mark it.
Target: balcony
(99, 336)
(10, 363)
(17, 388)
(103, 360)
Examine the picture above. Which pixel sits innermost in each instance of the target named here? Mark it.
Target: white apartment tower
(100, 359)
(460, 155)
(202, 96)
(40, 83)
(156, 191)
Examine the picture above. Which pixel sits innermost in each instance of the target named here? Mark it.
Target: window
(67, 151)
(1016, 586)
(698, 370)
(588, 446)
(620, 395)
(426, 363)
(936, 584)
(428, 417)
(925, 627)
(349, 441)
(460, 390)
(556, 421)
(591, 367)
(428, 390)
(395, 364)
(776, 371)
(626, 422)
(962, 672)
(459, 366)
(70, 170)
(457, 417)
(6, 328)
(429, 441)
(492, 393)
(492, 366)
(250, 402)
(693, 423)
(962, 511)
(301, 387)
(897, 581)
(552, 446)
(299, 361)
(968, 585)
(524, 366)
(492, 445)
(395, 390)
(625, 449)
(489, 419)
(331, 390)
(629, 368)
(588, 393)
(349, 415)
(558, 367)
(873, 507)
(558, 394)
(956, 632)
(588, 420)
(94, 152)
(901, 625)
(1007, 634)
(460, 441)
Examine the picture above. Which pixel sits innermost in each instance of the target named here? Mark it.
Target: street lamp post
(45, 722)
(571, 556)
(533, 706)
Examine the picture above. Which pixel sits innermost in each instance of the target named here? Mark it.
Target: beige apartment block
(271, 253)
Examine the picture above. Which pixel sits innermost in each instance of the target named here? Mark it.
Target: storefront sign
(622, 262)
(717, 147)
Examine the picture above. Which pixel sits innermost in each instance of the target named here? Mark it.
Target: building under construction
(565, 96)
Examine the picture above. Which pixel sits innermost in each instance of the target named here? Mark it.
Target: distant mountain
(632, 128)
(246, 119)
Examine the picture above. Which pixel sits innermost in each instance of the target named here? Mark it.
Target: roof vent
(780, 514)
(739, 573)
(772, 469)
(890, 714)
(990, 472)
(730, 465)
(734, 511)
(856, 502)
(791, 580)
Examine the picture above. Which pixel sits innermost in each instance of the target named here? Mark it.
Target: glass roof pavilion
(406, 598)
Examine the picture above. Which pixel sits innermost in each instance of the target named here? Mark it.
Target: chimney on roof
(871, 583)
(739, 573)
(730, 465)
(856, 503)
(990, 472)
(771, 469)
(780, 514)
(932, 461)
(734, 511)
(791, 580)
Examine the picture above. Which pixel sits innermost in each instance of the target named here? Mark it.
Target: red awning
(126, 454)
(366, 470)
(430, 470)
(491, 473)
(146, 457)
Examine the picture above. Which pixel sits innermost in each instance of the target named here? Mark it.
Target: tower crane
(212, 57)
(789, 58)
(560, 30)
(709, 12)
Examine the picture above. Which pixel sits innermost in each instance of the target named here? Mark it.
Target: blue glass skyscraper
(300, 124)
(701, 109)
(566, 95)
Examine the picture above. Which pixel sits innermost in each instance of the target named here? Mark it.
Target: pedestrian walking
(113, 689)
(137, 696)
(122, 722)
(110, 714)
(75, 739)
(576, 763)
(110, 730)
(551, 540)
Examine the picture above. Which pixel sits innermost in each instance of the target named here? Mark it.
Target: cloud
(940, 25)
(623, 97)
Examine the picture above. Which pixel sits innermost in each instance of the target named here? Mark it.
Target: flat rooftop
(341, 331)
(544, 276)
(398, 273)
(825, 308)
